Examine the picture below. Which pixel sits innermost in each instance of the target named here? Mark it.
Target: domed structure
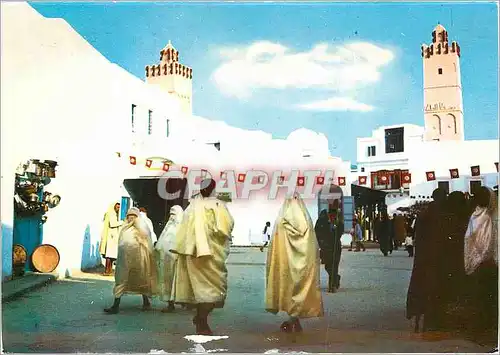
(312, 143)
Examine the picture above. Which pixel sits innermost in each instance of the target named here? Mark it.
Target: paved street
(366, 315)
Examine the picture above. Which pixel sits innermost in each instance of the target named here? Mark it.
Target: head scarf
(134, 211)
(167, 236)
(481, 238)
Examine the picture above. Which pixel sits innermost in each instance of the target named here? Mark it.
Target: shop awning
(364, 196)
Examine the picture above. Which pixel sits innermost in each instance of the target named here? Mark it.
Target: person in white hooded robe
(167, 261)
(135, 266)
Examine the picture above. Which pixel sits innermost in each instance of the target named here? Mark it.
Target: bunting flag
(133, 161)
(406, 178)
(301, 181)
(184, 170)
(496, 164)
(281, 180)
(241, 177)
(430, 176)
(320, 180)
(384, 179)
(341, 180)
(149, 162)
(362, 180)
(223, 175)
(260, 179)
(475, 171)
(454, 173)
(166, 167)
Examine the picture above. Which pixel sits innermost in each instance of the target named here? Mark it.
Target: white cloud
(336, 104)
(268, 65)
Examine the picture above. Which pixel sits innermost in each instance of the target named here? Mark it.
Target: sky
(340, 69)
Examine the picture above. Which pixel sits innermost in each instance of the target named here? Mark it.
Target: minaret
(172, 76)
(443, 107)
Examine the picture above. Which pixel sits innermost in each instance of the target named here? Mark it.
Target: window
(168, 127)
(440, 71)
(150, 122)
(362, 170)
(371, 151)
(394, 140)
(474, 185)
(133, 118)
(445, 185)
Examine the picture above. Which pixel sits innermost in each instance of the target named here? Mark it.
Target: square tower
(172, 77)
(443, 107)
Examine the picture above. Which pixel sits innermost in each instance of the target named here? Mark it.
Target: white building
(63, 101)
(399, 153)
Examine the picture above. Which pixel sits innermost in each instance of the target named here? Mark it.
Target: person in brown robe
(422, 291)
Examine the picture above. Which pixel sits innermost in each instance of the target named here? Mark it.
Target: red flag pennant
(184, 170)
(430, 176)
(301, 181)
(281, 180)
(166, 167)
(133, 160)
(149, 162)
(241, 177)
(320, 180)
(454, 173)
(362, 180)
(406, 178)
(384, 179)
(341, 181)
(223, 175)
(475, 170)
(260, 179)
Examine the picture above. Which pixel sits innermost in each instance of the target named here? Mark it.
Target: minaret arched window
(436, 123)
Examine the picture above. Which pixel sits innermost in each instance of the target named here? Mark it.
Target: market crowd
(454, 282)
(187, 265)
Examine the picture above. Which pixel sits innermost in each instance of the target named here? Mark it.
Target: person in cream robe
(293, 266)
(202, 243)
(165, 260)
(108, 248)
(135, 266)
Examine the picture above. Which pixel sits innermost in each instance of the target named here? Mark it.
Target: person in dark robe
(325, 235)
(422, 291)
(450, 268)
(384, 234)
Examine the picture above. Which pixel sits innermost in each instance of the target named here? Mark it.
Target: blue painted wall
(7, 233)
(28, 233)
(124, 206)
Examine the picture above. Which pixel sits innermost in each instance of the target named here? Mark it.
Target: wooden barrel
(45, 258)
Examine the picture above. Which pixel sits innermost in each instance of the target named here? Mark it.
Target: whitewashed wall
(62, 100)
(56, 86)
(442, 156)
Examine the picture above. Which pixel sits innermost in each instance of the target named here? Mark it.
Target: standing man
(108, 248)
(266, 234)
(203, 243)
(135, 267)
(358, 235)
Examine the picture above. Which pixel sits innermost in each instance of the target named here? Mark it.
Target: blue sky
(233, 50)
